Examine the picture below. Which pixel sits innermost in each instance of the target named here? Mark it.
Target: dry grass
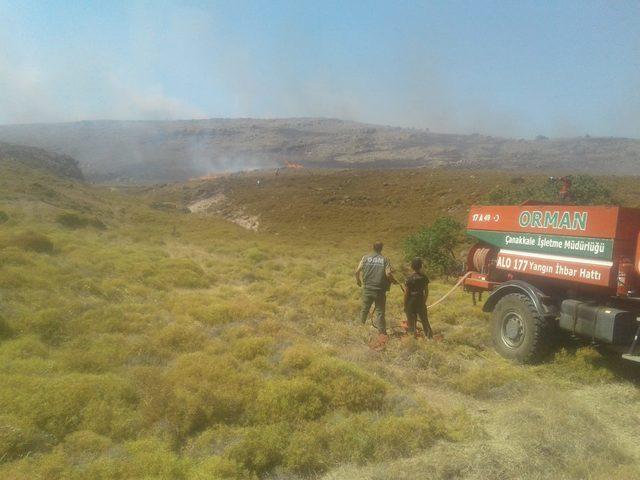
(178, 346)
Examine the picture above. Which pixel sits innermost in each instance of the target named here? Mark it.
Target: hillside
(118, 151)
(18, 156)
(141, 341)
(346, 207)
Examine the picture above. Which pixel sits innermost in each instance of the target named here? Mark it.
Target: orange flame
(293, 165)
(208, 176)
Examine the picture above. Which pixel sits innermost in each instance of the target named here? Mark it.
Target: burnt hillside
(147, 151)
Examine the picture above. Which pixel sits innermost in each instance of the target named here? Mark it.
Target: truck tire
(518, 330)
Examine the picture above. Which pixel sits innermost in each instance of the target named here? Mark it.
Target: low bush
(292, 400)
(347, 385)
(83, 445)
(297, 357)
(5, 330)
(143, 458)
(33, 242)
(59, 405)
(50, 325)
(4, 217)
(74, 221)
(19, 438)
(220, 311)
(221, 468)
(585, 365)
(201, 390)
(255, 255)
(483, 382)
(181, 273)
(252, 347)
(261, 449)
(359, 439)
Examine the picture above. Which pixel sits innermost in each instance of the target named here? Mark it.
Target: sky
(506, 68)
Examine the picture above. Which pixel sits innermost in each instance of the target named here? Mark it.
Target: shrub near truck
(550, 266)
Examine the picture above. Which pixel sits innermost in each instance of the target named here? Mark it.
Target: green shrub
(4, 217)
(347, 385)
(201, 390)
(19, 438)
(297, 357)
(485, 382)
(307, 452)
(255, 255)
(436, 246)
(292, 400)
(51, 325)
(216, 311)
(81, 445)
(74, 221)
(585, 365)
(33, 242)
(261, 449)
(181, 273)
(61, 404)
(359, 439)
(180, 337)
(220, 468)
(14, 256)
(5, 330)
(250, 348)
(145, 458)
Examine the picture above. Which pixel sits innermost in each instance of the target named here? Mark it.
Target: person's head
(377, 247)
(416, 264)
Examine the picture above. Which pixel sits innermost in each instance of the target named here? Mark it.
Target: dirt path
(219, 204)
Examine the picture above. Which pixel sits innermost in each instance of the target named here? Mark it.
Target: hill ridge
(160, 151)
(37, 158)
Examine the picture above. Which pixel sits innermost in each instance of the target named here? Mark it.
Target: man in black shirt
(415, 298)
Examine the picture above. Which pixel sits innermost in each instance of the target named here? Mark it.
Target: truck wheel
(519, 332)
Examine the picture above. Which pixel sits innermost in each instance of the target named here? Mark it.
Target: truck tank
(567, 260)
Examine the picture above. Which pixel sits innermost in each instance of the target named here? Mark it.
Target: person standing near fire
(375, 275)
(416, 292)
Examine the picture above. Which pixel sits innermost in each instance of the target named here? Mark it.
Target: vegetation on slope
(34, 158)
(171, 345)
(153, 151)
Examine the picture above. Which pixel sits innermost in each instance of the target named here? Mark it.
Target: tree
(436, 246)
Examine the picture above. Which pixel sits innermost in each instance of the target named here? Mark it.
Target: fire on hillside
(208, 176)
(295, 166)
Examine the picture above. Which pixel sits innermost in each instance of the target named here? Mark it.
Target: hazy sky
(505, 68)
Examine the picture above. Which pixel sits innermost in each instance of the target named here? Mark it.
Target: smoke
(204, 159)
(75, 80)
(160, 60)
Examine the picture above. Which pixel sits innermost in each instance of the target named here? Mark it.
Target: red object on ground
(380, 343)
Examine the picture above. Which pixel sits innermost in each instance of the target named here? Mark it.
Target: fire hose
(441, 299)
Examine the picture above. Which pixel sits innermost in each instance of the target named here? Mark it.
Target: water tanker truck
(550, 267)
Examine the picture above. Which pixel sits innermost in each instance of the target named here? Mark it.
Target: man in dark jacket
(375, 275)
(415, 299)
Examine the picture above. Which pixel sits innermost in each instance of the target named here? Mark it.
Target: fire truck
(549, 267)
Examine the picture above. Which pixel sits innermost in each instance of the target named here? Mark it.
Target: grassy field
(140, 341)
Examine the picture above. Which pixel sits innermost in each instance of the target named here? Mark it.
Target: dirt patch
(219, 204)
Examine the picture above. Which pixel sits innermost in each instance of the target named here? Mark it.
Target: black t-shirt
(416, 284)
